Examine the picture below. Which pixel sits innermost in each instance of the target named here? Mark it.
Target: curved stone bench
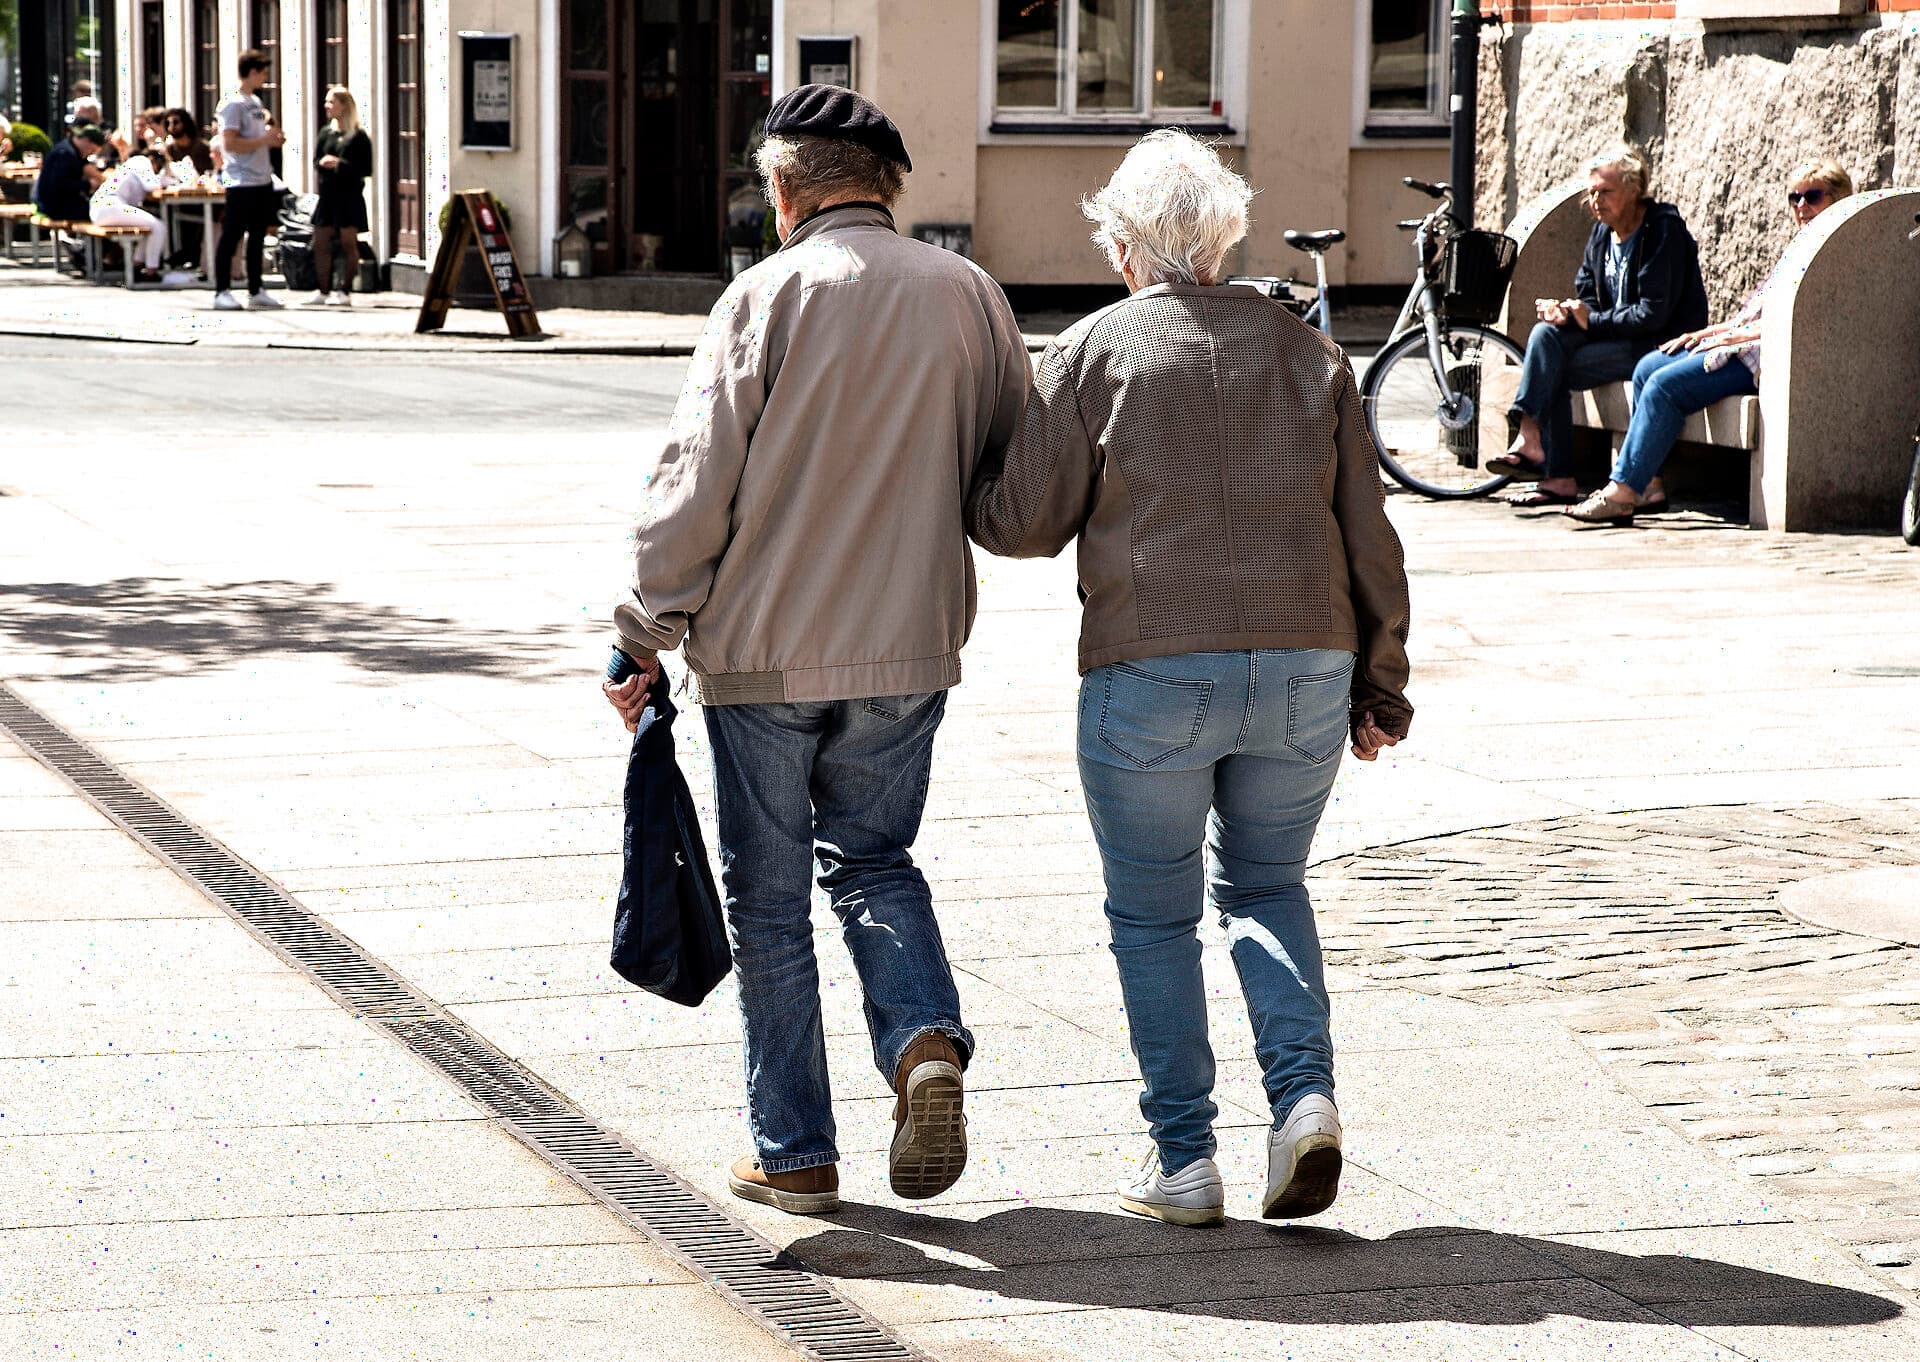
(1830, 436)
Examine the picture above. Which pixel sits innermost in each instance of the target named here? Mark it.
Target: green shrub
(28, 141)
(445, 214)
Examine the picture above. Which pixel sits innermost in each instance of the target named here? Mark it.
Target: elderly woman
(1696, 369)
(1245, 612)
(1638, 285)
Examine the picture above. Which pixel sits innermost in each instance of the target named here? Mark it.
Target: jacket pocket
(1317, 713)
(1148, 719)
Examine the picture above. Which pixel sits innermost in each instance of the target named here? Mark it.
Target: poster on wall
(827, 61)
(486, 110)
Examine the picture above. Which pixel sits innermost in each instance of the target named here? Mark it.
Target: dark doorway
(664, 105)
(153, 54)
(406, 115)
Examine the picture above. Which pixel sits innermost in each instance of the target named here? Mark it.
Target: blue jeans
(1560, 361)
(1667, 389)
(1232, 754)
(843, 782)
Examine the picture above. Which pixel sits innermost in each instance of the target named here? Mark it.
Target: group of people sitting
(1638, 311)
(92, 175)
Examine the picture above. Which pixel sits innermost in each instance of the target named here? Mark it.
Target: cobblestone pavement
(1657, 938)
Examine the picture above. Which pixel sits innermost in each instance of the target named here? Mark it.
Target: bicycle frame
(1422, 309)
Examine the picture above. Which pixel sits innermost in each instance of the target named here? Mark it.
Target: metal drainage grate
(762, 1281)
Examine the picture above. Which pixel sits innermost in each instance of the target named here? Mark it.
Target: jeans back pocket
(1317, 713)
(1148, 719)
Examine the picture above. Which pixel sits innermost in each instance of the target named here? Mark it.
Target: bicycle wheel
(1425, 445)
(1910, 508)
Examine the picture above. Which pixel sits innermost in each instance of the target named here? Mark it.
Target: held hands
(1369, 738)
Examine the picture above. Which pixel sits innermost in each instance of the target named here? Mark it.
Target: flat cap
(834, 111)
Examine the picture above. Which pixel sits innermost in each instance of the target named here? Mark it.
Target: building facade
(635, 120)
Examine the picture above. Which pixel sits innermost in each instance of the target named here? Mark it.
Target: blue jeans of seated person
(1560, 361)
(1229, 756)
(1667, 389)
(842, 783)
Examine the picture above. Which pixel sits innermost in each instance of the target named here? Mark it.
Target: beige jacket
(803, 526)
(1210, 452)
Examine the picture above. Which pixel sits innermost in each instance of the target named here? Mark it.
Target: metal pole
(1465, 104)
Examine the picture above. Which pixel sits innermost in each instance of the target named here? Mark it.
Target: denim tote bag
(668, 934)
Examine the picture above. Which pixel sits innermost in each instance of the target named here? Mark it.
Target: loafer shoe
(804, 1191)
(1599, 509)
(1303, 1160)
(929, 1150)
(1193, 1196)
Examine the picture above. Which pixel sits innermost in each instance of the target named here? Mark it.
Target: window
(206, 60)
(1405, 51)
(1093, 62)
(330, 42)
(153, 55)
(266, 36)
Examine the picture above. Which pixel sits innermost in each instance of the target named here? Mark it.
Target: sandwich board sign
(473, 220)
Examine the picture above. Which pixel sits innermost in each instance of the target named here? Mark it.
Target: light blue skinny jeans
(1231, 755)
(1667, 389)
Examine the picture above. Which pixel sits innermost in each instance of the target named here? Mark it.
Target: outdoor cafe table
(177, 199)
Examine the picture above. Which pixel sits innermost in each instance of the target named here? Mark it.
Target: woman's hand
(329, 162)
(1369, 738)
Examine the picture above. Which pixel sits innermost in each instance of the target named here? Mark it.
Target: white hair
(1174, 206)
(85, 103)
(1625, 162)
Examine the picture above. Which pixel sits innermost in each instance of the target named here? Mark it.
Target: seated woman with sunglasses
(1693, 371)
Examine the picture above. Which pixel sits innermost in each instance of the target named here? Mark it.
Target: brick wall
(1557, 11)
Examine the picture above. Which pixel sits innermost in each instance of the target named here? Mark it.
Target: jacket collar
(1221, 290)
(836, 216)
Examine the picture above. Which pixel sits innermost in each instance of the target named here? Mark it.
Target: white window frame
(1067, 126)
(1400, 127)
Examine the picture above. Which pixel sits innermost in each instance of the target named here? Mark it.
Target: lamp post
(1465, 105)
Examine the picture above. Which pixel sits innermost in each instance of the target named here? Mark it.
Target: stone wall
(1724, 113)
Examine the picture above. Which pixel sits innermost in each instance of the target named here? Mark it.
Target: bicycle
(1436, 395)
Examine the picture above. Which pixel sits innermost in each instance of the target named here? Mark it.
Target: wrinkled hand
(1686, 340)
(630, 696)
(1369, 738)
(1577, 312)
(1551, 312)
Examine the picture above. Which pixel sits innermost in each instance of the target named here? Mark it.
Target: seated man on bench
(1638, 285)
(1693, 371)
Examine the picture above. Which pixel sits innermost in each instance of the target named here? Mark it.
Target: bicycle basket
(1475, 271)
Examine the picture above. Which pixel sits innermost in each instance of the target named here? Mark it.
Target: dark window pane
(1108, 41)
(587, 203)
(587, 143)
(750, 45)
(587, 34)
(747, 105)
(1183, 54)
(1401, 67)
(1027, 57)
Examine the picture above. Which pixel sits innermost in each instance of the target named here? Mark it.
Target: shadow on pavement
(170, 627)
(1303, 1274)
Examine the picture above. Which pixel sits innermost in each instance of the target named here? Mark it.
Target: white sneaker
(264, 302)
(179, 277)
(339, 298)
(223, 301)
(316, 299)
(1303, 1160)
(1192, 1196)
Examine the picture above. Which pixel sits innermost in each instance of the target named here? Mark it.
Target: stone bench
(1829, 439)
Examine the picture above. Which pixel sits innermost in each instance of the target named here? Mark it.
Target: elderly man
(68, 175)
(802, 532)
(1638, 285)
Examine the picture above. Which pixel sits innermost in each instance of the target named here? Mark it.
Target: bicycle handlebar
(1432, 191)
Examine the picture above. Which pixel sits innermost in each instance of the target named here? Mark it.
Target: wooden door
(406, 118)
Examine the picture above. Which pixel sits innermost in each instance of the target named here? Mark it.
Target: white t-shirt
(243, 113)
(130, 182)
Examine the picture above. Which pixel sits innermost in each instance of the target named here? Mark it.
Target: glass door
(405, 117)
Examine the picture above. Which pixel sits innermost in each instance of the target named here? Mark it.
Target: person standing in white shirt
(247, 135)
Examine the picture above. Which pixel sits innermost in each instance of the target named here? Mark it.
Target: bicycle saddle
(1313, 243)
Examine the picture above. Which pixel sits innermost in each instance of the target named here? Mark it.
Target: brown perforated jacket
(1210, 453)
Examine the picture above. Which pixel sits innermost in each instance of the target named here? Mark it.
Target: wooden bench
(57, 228)
(1829, 438)
(11, 213)
(93, 235)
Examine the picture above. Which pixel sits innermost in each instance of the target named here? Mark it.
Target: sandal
(1534, 500)
(1600, 509)
(1513, 466)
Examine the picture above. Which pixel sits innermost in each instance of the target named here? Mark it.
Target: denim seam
(1253, 688)
(797, 1162)
(1293, 712)
(953, 1031)
(1199, 718)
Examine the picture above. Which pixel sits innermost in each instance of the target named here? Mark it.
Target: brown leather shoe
(929, 1129)
(804, 1191)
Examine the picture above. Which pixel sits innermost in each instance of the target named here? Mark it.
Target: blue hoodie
(1661, 293)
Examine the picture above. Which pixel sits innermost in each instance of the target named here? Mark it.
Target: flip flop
(1528, 501)
(1513, 466)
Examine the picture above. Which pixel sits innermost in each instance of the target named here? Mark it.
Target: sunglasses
(1796, 197)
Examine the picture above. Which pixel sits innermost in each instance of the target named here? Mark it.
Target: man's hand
(1551, 312)
(630, 696)
(1369, 738)
(1577, 312)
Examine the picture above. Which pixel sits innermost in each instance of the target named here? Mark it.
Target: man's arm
(687, 511)
(1659, 284)
(1033, 500)
(1586, 284)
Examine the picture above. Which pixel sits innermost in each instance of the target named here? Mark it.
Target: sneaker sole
(793, 1203)
(929, 1151)
(1176, 1215)
(1314, 1184)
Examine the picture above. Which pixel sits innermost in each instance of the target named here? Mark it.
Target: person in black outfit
(68, 175)
(343, 159)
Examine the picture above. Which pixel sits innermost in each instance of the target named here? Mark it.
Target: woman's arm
(359, 154)
(1032, 501)
(1376, 570)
